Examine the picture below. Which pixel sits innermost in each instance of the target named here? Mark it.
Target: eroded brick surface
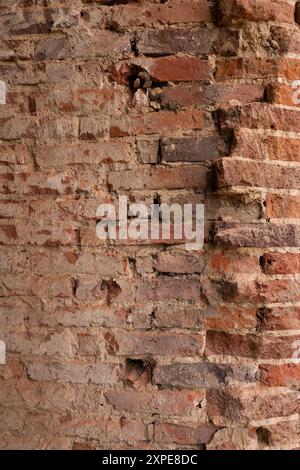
(145, 345)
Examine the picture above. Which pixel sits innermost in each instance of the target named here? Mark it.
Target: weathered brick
(192, 150)
(247, 67)
(173, 433)
(287, 38)
(199, 375)
(284, 434)
(172, 317)
(279, 318)
(206, 95)
(196, 40)
(283, 375)
(262, 116)
(230, 263)
(180, 263)
(155, 123)
(281, 263)
(283, 148)
(56, 156)
(160, 344)
(255, 346)
(81, 100)
(144, 344)
(74, 372)
(160, 177)
(181, 11)
(177, 69)
(231, 172)
(282, 94)
(231, 317)
(257, 235)
(285, 207)
(147, 151)
(255, 10)
(164, 288)
(56, 48)
(248, 291)
(242, 405)
(162, 402)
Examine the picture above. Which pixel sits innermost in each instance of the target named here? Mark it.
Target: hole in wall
(138, 372)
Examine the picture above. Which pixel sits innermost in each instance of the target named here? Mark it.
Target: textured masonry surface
(146, 345)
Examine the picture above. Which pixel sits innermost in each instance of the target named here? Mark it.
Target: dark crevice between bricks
(159, 152)
(153, 321)
(113, 290)
(138, 372)
(268, 95)
(136, 77)
(297, 13)
(212, 179)
(75, 284)
(261, 316)
(216, 12)
(133, 43)
(264, 437)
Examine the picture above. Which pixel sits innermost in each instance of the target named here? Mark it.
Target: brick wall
(145, 345)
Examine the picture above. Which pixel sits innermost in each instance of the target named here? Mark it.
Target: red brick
(252, 346)
(133, 431)
(196, 40)
(173, 433)
(231, 317)
(166, 288)
(257, 235)
(227, 263)
(203, 375)
(206, 95)
(285, 207)
(180, 263)
(177, 317)
(255, 10)
(73, 372)
(255, 116)
(193, 149)
(162, 402)
(248, 68)
(233, 172)
(155, 123)
(242, 405)
(283, 94)
(81, 100)
(289, 68)
(57, 156)
(159, 178)
(287, 38)
(283, 148)
(284, 434)
(281, 263)
(284, 375)
(143, 344)
(279, 318)
(160, 344)
(177, 69)
(181, 11)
